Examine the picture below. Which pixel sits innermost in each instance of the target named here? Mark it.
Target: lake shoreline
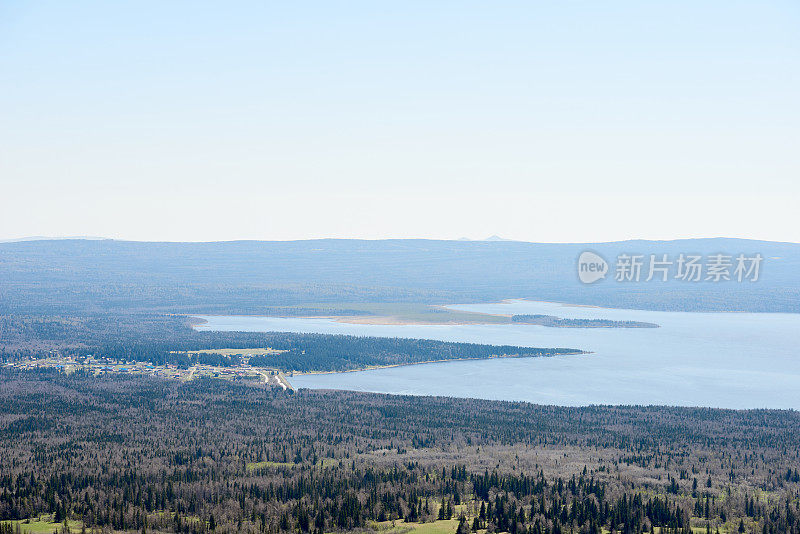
(726, 360)
(394, 365)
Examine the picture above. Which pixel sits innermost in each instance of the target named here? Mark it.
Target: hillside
(89, 276)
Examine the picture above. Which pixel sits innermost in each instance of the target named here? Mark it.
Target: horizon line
(491, 239)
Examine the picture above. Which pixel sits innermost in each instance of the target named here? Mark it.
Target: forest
(122, 453)
(558, 322)
(253, 277)
(165, 339)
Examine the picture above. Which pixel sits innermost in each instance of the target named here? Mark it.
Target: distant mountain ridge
(248, 276)
(51, 238)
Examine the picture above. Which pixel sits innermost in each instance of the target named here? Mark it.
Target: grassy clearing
(699, 529)
(323, 462)
(445, 526)
(43, 524)
(252, 466)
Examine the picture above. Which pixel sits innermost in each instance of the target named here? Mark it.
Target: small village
(100, 365)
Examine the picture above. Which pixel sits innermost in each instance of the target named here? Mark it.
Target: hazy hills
(63, 276)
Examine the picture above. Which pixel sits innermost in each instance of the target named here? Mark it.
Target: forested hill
(68, 276)
(141, 454)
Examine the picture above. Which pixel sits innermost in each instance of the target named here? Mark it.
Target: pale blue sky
(541, 121)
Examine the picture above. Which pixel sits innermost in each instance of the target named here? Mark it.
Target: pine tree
(462, 525)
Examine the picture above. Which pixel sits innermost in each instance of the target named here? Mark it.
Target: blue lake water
(728, 360)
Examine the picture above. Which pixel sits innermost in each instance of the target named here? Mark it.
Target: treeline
(557, 322)
(124, 453)
(314, 352)
(343, 499)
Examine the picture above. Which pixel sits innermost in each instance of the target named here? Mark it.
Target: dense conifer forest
(143, 454)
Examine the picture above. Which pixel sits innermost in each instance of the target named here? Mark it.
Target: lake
(727, 360)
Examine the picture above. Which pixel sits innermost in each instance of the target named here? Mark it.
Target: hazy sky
(540, 121)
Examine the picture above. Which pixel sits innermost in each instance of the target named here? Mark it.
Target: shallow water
(729, 360)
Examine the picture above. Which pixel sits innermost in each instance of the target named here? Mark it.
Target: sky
(538, 121)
